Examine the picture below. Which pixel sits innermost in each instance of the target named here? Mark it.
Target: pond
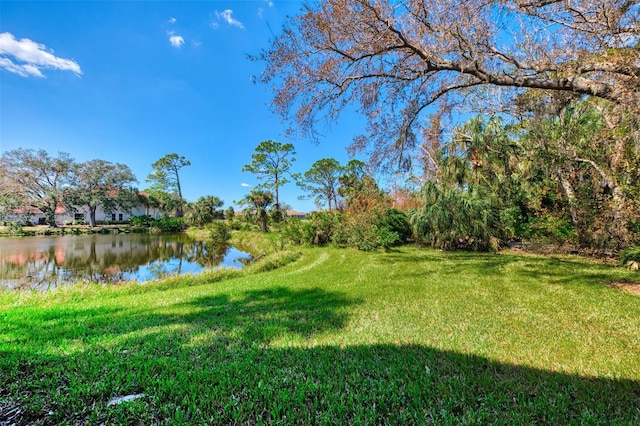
(40, 263)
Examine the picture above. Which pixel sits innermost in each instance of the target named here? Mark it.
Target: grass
(335, 337)
(24, 231)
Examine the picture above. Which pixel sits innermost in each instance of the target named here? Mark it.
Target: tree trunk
(50, 216)
(619, 230)
(92, 216)
(179, 210)
(571, 197)
(263, 221)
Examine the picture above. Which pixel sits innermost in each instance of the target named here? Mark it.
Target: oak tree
(36, 179)
(101, 183)
(393, 60)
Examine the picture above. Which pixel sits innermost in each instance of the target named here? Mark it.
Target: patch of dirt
(632, 287)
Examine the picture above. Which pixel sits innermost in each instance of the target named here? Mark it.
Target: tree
(229, 213)
(166, 176)
(322, 181)
(100, 183)
(365, 209)
(396, 59)
(36, 179)
(592, 154)
(9, 199)
(204, 210)
(167, 203)
(351, 181)
(257, 203)
(455, 218)
(272, 162)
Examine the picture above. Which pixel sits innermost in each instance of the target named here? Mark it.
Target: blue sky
(131, 81)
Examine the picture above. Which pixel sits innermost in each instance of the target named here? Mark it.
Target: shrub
(631, 258)
(395, 221)
(168, 224)
(454, 218)
(362, 237)
(293, 231)
(219, 231)
(550, 227)
(385, 237)
(141, 221)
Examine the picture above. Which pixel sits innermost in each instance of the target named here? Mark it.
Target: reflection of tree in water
(207, 253)
(105, 259)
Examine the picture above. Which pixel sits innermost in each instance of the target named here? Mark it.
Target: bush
(219, 231)
(168, 224)
(454, 218)
(319, 229)
(395, 222)
(631, 258)
(385, 237)
(363, 237)
(293, 231)
(550, 227)
(141, 221)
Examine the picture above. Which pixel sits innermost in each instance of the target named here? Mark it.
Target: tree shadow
(261, 315)
(252, 358)
(551, 269)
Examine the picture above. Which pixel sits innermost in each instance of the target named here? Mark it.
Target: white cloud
(246, 185)
(261, 10)
(172, 20)
(175, 40)
(225, 15)
(22, 70)
(28, 58)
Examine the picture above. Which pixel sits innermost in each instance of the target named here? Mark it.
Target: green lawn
(340, 337)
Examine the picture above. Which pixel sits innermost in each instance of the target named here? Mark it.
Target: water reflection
(46, 262)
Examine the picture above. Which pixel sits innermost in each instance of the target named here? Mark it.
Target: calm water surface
(46, 262)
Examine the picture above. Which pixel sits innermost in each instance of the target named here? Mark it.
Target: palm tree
(453, 218)
(257, 202)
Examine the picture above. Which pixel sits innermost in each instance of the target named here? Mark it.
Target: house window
(120, 218)
(113, 216)
(78, 216)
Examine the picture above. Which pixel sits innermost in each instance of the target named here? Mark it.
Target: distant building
(80, 213)
(289, 213)
(293, 213)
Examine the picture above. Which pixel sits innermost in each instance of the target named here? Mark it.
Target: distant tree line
(38, 180)
(550, 177)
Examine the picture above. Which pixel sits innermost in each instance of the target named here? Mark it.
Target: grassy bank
(30, 231)
(338, 336)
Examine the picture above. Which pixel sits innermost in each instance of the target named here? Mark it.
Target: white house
(82, 213)
(78, 213)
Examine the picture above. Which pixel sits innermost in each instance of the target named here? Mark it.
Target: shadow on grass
(552, 269)
(220, 359)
